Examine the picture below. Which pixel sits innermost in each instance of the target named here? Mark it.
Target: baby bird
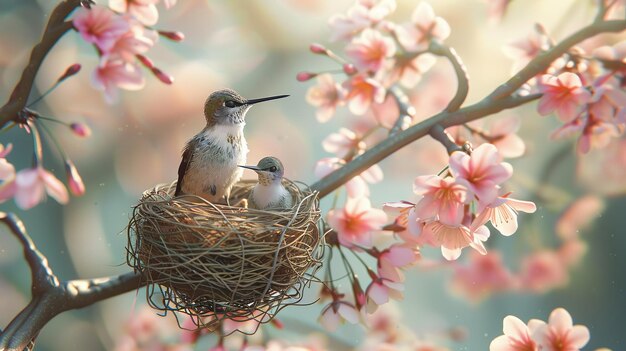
(269, 192)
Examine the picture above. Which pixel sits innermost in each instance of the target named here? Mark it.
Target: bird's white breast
(217, 154)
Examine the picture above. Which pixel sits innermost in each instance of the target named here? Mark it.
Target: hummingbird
(269, 192)
(209, 163)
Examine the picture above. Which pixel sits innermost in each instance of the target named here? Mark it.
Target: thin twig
(407, 111)
(439, 134)
(55, 29)
(460, 71)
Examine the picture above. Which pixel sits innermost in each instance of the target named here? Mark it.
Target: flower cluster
(454, 209)
(559, 333)
(121, 36)
(584, 90)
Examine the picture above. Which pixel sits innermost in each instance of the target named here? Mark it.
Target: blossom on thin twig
(32, 184)
(355, 222)
(326, 96)
(563, 94)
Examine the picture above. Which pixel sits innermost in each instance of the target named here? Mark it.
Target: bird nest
(213, 261)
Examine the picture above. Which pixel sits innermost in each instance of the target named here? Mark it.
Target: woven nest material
(214, 261)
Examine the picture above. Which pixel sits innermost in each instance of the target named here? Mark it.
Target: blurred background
(257, 47)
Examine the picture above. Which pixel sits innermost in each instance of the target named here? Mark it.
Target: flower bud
(317, 48)
(349, 69)
(304, 76)
(174, 36)
(70, 71)
(80, 129)
(162, 76)
(145, 61)
(74, 181)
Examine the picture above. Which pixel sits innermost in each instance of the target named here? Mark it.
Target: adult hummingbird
(269, 192)
(210, 159)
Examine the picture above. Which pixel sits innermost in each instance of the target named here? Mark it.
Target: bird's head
(269, 170)
(227, 107)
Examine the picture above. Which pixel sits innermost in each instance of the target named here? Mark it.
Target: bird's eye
(230, 103)
(273, 169)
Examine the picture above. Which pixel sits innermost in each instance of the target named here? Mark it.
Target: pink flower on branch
(453, 239)
(137, 40)
(355, 222)
(337, 312)
(482, 276)
(32, 185)
(443, 199)
(483, 171)
(563, 94)
(381, 290)
(362, 92)
(144, 11)
(364, 14)
(543, 271)
(344, 143)
(111, 75)
(502, 213)
(370, 50)
(424, 27)
(326, 96)
(517, 335)
(559, 334)
(524, 50)
(100, 26)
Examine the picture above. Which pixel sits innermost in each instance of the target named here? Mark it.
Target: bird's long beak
(254, 101)
(254, 168)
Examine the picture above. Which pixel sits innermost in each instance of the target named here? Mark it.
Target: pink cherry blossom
(443, 199)
(502, 134)
(409, 69)
(32, 185)
(144, 11)
(74, 180)
(7, 174)
(362, 92)
(424, 26)
(356, 221)
(517, 335)
(395, 257)
(596, 134)
(381, 290)
(111, 75)
(336, 312)
(502, 213)
(453, 239)
(100, 26)
(357, 186)
(607, 100)
(616, 52)
(370, 50)
(563, 94)
(326, 96)
(526, 49)
(543, 271)
(559, 334)
(137, 40)
(579, 215)
(364, 14)
(483, 171)
(344, 143)
(482, 276)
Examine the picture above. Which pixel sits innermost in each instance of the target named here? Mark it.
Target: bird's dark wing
(182, 169)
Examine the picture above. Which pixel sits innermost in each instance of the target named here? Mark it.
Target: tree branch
(460, 71)
(439, 134)
(55, 29)
(51, 297)
(500, 99)
(407, 111)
